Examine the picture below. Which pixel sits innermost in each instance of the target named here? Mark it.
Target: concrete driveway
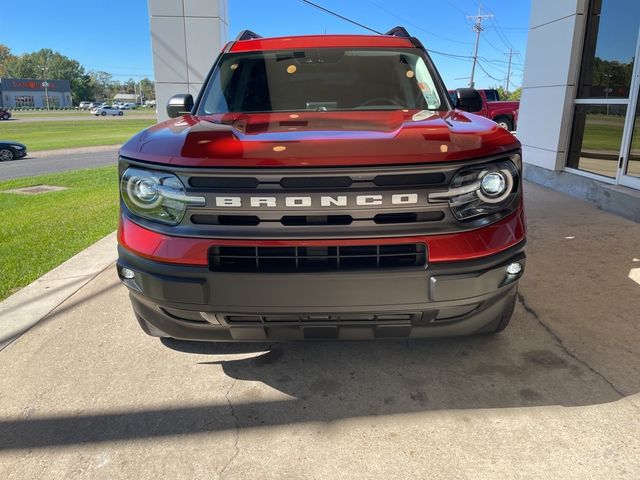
(85, 394)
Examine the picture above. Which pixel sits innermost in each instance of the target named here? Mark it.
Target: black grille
(350, 318)
(316, 259)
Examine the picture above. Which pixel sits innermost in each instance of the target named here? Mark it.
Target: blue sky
(72, 27)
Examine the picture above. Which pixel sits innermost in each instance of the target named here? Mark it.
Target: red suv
(4, 114)
(322, 187)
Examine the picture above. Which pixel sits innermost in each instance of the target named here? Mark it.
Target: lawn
(39, 232)
(50, 135)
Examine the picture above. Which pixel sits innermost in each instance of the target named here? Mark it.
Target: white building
(580, 101)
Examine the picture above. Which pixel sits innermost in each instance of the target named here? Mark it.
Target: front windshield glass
(321, 79)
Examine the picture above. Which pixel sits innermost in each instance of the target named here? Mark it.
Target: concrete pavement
(53, 161)
(85, 394)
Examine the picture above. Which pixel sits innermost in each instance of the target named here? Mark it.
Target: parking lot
(85, 394)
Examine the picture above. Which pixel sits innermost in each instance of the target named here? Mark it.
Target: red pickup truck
(503, 113)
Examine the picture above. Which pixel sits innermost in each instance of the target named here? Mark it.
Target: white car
(84, 105)
(127, 106)
(105, 110)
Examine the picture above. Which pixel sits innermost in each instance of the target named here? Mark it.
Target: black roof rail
(399, 32)
(247, 35)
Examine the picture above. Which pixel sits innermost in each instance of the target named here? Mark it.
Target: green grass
(604, 133)
(39, 232)
(48, 135)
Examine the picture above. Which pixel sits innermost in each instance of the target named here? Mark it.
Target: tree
(148, 89)
(103, 84)
(513, 95)
(5, 57)
(53, 65)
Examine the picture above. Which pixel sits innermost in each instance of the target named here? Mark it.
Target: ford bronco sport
(322, 187)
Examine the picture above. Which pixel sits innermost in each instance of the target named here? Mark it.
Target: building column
(186, 38)
(554, 52)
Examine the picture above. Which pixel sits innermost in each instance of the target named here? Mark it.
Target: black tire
(104, 114)
(503, 320)
(505, 122)
(120, 114)
(6, 155)
(5, 117)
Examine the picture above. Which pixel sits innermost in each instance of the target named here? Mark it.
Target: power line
(404, 20)
(431, 51)
(456, 7)
(326, 10)
(487, 73)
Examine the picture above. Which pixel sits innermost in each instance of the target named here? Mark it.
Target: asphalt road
(40, 163)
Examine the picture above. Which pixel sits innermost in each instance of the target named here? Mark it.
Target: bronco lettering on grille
(326, 201)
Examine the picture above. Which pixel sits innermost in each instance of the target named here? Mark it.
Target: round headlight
(146, 190)
(157, 196)
(493, 184)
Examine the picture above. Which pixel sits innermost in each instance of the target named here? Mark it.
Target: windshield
(321, 79)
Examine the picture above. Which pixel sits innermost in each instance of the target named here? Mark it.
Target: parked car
(4, 114)
(11, 150)
(504, 113)
(322, 187)
(128, 106)
(95, 104)
(106, 110)
(84, 105)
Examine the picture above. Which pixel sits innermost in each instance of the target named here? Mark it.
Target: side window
(492, 95)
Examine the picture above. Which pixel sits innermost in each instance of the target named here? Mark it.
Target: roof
(320, 41)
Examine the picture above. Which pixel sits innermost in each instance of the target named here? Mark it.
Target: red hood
(305, 139)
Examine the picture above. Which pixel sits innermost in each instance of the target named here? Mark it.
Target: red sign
(31, 84)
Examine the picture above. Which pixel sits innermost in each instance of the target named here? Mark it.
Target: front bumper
(445, 299)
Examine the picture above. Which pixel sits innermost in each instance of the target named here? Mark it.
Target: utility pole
(509, 70)
(477, 27)
(45, 84)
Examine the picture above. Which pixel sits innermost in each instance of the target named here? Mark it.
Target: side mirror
(179, 105)
(468, 99)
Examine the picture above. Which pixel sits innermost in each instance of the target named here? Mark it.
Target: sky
(113, 35)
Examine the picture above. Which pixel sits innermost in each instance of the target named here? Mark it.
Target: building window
(596, 139)
(54, 102)
(24, 101)
(604, 86)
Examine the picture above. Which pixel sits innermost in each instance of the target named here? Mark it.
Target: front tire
(104, 114)
(5, 117)
(505, 122)
(120, 114)
(6, 155)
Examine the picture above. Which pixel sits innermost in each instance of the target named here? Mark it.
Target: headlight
(157, 196)
(18, 147)
(481, 190)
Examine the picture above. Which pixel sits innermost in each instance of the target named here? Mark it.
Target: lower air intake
(316, 259)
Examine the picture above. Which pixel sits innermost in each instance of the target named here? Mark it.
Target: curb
(28, 306)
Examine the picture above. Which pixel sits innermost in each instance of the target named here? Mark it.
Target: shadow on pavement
(333, 381)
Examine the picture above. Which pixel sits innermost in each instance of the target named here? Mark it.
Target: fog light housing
(514, 268)
(127, 273)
